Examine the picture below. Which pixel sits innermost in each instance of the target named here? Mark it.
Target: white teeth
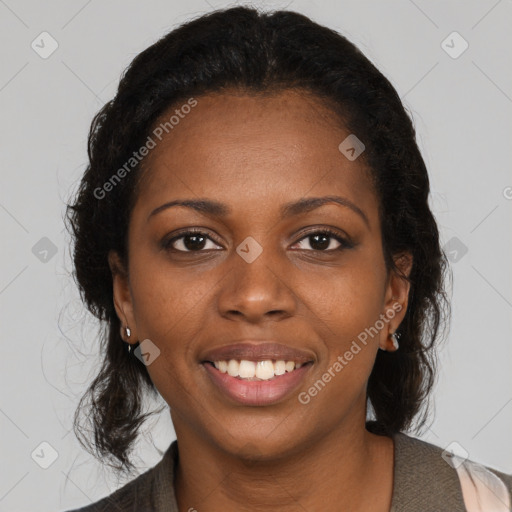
(279, 367)
(233, 368)
(247, 369)
(263, 370)
(289, 366)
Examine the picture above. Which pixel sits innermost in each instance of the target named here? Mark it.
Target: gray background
(462, 111)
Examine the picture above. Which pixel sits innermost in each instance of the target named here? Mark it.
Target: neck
(350, 466)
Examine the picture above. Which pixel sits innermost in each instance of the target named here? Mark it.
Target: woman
(253, 227)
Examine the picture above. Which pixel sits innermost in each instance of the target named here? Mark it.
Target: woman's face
(258, 274)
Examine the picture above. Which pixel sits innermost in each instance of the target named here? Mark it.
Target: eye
(321, 241)
(197, 241)
(189, 241)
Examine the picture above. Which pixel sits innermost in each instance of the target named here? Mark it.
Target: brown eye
(190, 241)
(322, 241)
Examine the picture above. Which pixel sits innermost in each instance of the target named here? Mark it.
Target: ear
(122, 296)
(396, 297)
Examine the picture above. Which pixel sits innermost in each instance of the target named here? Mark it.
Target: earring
(394, 338)
(128, 333)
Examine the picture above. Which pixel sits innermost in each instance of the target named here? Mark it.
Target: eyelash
(344, 244)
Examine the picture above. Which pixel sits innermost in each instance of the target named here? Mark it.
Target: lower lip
(257, 392)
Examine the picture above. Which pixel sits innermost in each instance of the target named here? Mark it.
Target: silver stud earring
(394, 338)
(128, 331)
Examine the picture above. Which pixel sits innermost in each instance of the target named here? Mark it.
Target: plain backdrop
(461, 102)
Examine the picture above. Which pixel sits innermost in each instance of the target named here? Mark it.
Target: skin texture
(255, 154)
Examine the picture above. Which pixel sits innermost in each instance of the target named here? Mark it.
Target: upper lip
(257, 351)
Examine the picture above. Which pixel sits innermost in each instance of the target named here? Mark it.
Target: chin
(258, 444)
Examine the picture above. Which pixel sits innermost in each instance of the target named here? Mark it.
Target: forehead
(253, 151)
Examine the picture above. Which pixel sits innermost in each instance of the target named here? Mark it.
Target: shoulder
(147, 491)
(123, 499)
(427, 475)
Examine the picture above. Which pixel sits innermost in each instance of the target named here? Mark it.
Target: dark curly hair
(258, 53)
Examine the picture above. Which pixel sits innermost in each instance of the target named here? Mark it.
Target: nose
(256, 291)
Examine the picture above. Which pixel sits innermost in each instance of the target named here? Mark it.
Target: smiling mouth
(265, 370)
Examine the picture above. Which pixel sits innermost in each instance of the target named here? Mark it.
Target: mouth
(256, 383)
(252, 371)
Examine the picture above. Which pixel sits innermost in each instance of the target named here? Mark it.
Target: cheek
(170, 310)
(348, 300)
(344, 308)
(165, 296)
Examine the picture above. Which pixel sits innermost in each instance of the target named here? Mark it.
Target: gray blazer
(423, 482)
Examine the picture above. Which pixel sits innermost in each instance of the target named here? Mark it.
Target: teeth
(233, 368)
(263, 370)
(279, 367)
(247, 369)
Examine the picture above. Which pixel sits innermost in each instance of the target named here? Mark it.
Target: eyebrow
(307, 204)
